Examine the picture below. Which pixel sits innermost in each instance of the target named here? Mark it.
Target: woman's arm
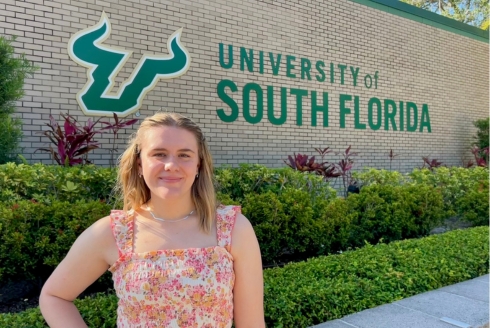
(248, 293)
(86, 261)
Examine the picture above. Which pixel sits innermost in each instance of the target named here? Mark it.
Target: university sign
(103, 63)
(384, 114)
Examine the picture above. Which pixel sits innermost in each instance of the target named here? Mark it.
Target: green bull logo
(103, 63)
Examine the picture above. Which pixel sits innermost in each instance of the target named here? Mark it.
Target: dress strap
(122, 229)
(225, 221)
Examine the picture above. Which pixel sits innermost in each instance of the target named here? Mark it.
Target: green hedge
(43, 182)
(458, 186)
(36, 236)
(327, 288)
(295, 215)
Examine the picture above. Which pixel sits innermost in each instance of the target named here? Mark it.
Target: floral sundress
(190, 287)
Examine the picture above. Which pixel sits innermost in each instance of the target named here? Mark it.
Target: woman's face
(169, 162)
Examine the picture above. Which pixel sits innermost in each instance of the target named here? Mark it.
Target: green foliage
(369, 176)
(453, 183)
(388, 213)
(474, 205)
(482, 135)
(43, 183)
(36, 237)
(98, 312)
(283, 223)
(327, 288)
(238, 182)
(13, 70)
(472, 12)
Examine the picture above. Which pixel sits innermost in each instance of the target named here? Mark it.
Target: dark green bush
(453, 182)
(246, 179)
(36, 237)
(41, 182)
(14, 69)
(388, 213)
(474, 205)
(283, 223)
(327, 288)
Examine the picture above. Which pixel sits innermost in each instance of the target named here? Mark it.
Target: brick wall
(416, 62)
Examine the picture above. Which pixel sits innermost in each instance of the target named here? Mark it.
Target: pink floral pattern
(190, 287)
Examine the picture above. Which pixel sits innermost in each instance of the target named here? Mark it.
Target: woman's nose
(171, 163)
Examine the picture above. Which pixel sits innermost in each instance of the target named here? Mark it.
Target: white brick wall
(416, 62)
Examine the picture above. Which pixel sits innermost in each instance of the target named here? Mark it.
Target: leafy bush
(98, 312)
(327, 288)
(40, 182)
(388, 213)
(283, 223)
(370, 176)
(246, 179)
(36, 237)
(13, 70)
(453, 182)
(482, 135)
(474, 205)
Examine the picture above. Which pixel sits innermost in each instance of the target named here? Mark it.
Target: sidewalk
(463, 305)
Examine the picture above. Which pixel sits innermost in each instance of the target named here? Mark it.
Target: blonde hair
(133, 190)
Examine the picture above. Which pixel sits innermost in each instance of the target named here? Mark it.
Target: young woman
(177, 258)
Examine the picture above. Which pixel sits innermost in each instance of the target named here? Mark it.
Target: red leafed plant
(304, 163)
(344, 168)
(431, 163)
(481, 156)
(71, 142)
(115, 129)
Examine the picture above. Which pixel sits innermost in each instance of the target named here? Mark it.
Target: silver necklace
(163, 220)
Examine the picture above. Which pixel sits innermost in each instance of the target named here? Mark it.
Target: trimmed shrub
(36, 237)
(42, 182)
(388, 213)
(453, 182)
(327, 288)
(283, 223)
(248, 178)
(474, 205)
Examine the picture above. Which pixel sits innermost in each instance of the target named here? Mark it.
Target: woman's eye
(184, 155)
(159, 155)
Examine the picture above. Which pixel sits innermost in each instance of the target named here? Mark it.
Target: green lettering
(425, 120)
(222, 56)
(342, 69)
(411, 106)
(227, 100)
(315, 108)
(299, 93)
(357, 119)
(246, 103)
(402, 118)
(270, 106)
(246, 58)
(373, 101)
(354, 74)
(261, 62)
(344, 110)
(332, 73)
(275, 64)
(319, 67)
(390, 116)
(305, 68)
(290, 66)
